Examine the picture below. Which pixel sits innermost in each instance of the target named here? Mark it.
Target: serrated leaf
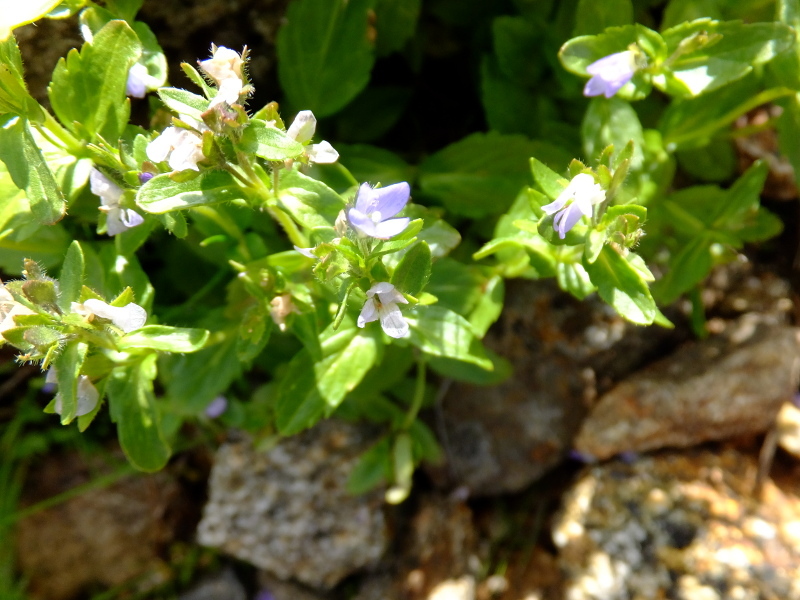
(310, 202)
(16, 14)
(269, 143)
(133, 408)
(183, 102)
(68, 365)
(71, 279)
(29, 170)
(622, 286)
(96, 78)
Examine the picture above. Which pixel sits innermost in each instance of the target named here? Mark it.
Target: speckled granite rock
(287, 510)
(679, 526)
(501, 438)
(730, 384)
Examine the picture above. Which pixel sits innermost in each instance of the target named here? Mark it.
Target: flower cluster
(225, 69)
(181, 148)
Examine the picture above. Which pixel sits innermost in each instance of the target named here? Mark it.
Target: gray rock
(682, 526)
(220, 586)
(287, 510)
(499, 439)
(728, 385)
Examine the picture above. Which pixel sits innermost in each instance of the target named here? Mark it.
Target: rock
(728, 385)
(273, 588)
(103, 537)
(435, 554)
(682, 526)
(462, 588)
(287, 510)
(220, 586)
(499, 439)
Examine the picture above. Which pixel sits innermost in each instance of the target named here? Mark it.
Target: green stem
(419, 395)
(70, 143)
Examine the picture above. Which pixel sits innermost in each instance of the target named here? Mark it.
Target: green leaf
(711, 54)
(469, 373)
(396, 21)
(481, 174)
(310, 389)
(403, 468)
(373, 468)
(183, 102)
(324, 54)
(573, 278)
(14, 96)
(687, 268)
(371, 163)
(414, 270)
(268, 142)
(550, 182)
(592, 16)
(29, 170)
(310, 202)
(612, 122)
(164, 338)
(71, 279)
(162, 194)
(133, 408)
(489, 306)
(622, 286)
(95, 78)
(441, 332)
(68, 365)
(516, 40)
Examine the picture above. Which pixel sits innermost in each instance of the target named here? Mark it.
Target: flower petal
(366, 199)
(303, 127)
(393, 322)
(556, 205)
(392, 199)
(390, 228)
(136, 85)
(108, 191)
(368, 314)
(322, 153)
(128, 317)
(361, 222)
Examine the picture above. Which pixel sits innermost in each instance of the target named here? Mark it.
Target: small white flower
(577, 200)
(382, 299)
(225, 68)
(302, 130)
(128, 318)
(181, 148)
(88, 395)
(223, 64)
(610, 73)
(118, 219)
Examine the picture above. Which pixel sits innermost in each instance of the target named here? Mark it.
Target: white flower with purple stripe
(118, 219)
(577, 200)
(610, 73)
(375, 207)
(382, 299)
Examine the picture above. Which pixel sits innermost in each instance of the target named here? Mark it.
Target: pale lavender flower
(136, 85)
(374, 207)
(382, 299)
(302, 130)
(577, 200)
(128, 318)
(216, 407)
(118, 219)
(610, 73)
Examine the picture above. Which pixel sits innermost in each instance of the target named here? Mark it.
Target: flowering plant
(330, 277)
